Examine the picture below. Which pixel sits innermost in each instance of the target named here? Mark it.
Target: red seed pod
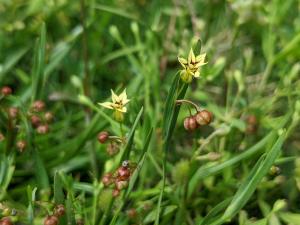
(43, 129)
(49, 116)
(51, 220)
(186, 123)
(5, 221)
(103, 136)
(131, 213)
(204, 117)
(190, 123)
(107, 179)
(38, 106)
(112, 149)
(116, 193)
(59, 210)
(123, 172)
(13, 112)
(35, 120)
(21, 145)
(252, 124)
(121, 184)
(6, 90)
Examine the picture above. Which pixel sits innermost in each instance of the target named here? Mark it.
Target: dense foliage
(202, 127)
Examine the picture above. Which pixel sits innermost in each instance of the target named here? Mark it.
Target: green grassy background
(71, 53)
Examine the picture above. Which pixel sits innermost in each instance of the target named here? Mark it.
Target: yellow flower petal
(197, 74)
(201, 58)
(108, 105)
(123, 97)
(191, 57)
(182, 61)
(114, 97)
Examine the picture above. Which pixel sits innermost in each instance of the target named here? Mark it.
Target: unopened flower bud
(103, 136)
(6, 90)
(43, 129)
(204, 117)
(116, 193)
(274, 170)
(59, 210)
(107, 179)
(124, 173)
(49, 116)
(121, 184)
(13, 112)
(51, 220)
(21, 145)
(35, 120)
(38, 106)
(5, 221)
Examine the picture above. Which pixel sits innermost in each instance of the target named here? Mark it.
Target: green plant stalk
(177, 91)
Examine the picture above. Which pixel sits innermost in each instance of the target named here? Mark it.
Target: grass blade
(248, 187)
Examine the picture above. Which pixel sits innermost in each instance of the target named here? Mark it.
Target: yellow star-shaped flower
(118, 102)
(191, 66)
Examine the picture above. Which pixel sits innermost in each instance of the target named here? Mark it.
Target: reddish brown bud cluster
(113, 146)
(51, 220)
(59, 211)
(40, 120)
(252, 124)
(201, 118)
(5, 221)
(120, 178)
(6, 90)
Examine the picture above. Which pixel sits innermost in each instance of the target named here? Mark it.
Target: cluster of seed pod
(120, 178)
(39, 118)
(203, 117)
(113, 146)
(59, 211)
(6, 221)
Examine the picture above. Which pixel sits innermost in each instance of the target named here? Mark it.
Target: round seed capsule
(103, 136)
(59, 210)
(6, 90)
(204, 117)
(38, 106)
(5, 221)
(107, 179)
(51, 220)
(116, 193)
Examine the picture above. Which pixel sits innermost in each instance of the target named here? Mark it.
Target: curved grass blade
(204, 172)
(248, 187)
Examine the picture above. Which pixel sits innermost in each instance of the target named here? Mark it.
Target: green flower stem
(181, 101)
